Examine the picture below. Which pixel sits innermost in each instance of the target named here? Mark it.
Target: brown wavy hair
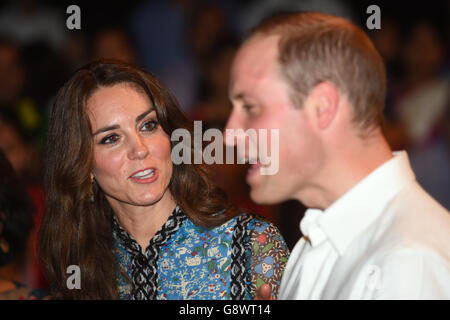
(74, 230)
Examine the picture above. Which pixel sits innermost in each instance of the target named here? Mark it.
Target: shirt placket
(313, 262)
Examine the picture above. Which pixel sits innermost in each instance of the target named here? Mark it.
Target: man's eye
(247, 107)
(149, 125)
(110, 139)
(251, 110)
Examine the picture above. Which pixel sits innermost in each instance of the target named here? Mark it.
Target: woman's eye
(149, 125)
(110, 139)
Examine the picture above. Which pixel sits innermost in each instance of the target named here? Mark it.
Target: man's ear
(324, 103)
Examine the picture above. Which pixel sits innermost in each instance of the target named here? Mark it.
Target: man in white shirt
(372, 232)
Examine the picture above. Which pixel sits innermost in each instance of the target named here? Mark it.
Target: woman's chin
(147, 200)
(141, 200)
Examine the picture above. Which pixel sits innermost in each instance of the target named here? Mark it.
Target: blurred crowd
(189, 45)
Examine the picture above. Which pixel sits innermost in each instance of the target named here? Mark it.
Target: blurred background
(189, 45)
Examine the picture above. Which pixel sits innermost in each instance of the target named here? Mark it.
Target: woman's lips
(144, 176)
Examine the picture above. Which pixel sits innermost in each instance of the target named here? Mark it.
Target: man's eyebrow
(239, 96)
(116, 126)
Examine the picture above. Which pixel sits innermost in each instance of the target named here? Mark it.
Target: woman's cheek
(108, 163)
(160, 149)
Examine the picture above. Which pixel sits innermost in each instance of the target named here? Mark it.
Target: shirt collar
(351, 214)
(169, 228)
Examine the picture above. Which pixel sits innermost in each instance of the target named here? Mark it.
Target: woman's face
(132, 162)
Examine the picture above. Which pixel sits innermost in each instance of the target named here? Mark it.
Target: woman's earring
(4, 246)
(91, 192)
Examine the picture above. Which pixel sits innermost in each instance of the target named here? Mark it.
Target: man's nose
(231, 129)
(138, 149)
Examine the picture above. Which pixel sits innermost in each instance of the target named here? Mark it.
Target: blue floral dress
(185, 261)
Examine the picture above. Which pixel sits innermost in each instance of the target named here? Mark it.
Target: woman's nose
(138, 149)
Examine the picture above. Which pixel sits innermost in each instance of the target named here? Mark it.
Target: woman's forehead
(119, 100)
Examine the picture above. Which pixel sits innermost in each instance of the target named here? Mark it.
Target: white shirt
(386, 238)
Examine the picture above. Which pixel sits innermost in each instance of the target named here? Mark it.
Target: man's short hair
(316, 47)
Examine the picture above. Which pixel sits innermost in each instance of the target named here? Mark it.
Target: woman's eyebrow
(143, 115)
(116, 126)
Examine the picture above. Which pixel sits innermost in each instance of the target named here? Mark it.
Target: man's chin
(263, 196)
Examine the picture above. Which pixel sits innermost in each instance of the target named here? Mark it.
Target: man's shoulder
(415, 200)
(408, 268)
(415, 220)
(414, 272)
(409, 216)
(412, 224)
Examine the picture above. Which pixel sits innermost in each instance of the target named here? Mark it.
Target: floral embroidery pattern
(144, 272)
(269, 256)
(195, 263)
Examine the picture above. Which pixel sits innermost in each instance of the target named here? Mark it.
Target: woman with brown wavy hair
(136, 225)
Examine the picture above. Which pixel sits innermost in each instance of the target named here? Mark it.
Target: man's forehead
(255, 60)
(257, 53)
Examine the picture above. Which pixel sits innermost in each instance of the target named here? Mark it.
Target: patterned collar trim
(144, 264)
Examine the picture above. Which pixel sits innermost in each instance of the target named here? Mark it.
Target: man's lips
(253, 170)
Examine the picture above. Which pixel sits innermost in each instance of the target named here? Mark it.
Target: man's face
(260, 98)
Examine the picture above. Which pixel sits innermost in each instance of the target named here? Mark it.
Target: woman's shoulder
(257, 230)
(267, 252)
(264, 232)
(243, 226)
(256, 223)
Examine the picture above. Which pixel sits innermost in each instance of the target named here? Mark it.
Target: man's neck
(344, 170)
